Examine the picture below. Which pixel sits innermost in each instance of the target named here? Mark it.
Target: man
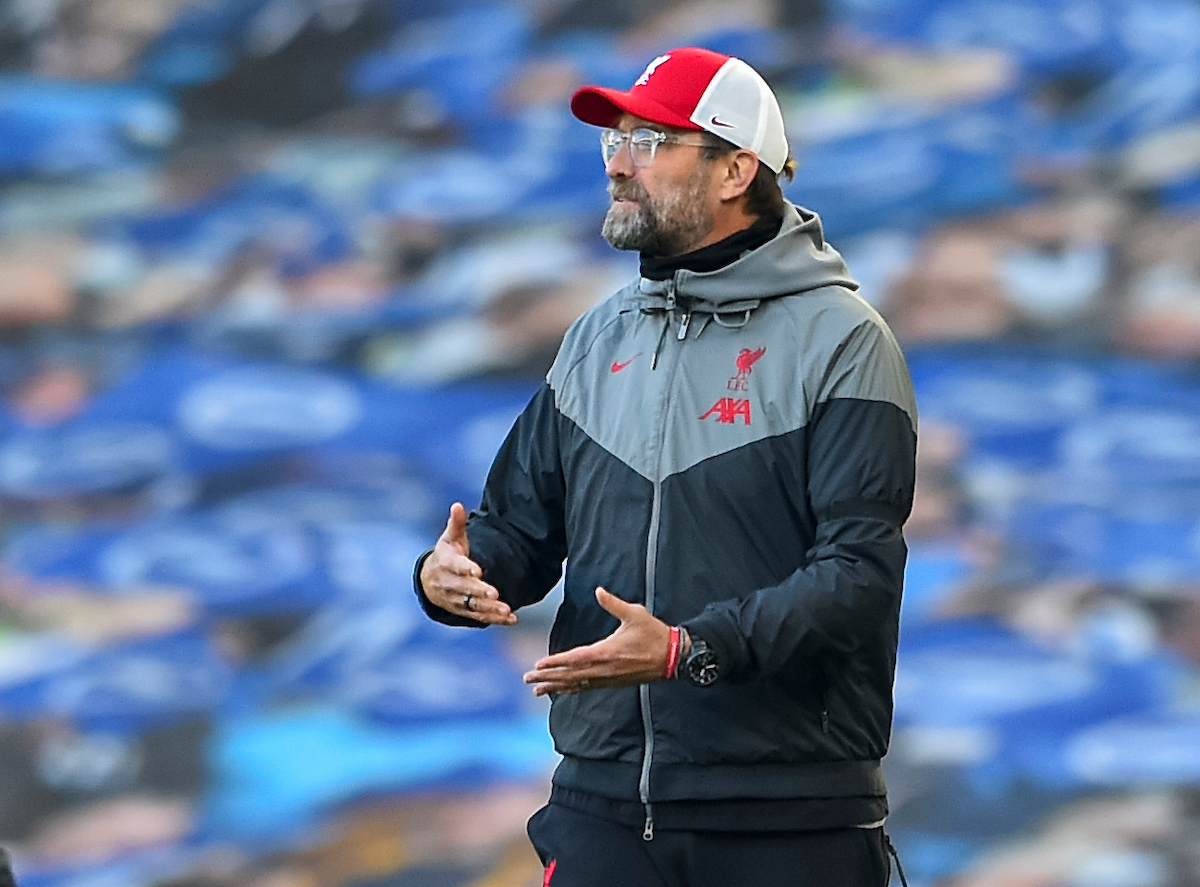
(724, 453)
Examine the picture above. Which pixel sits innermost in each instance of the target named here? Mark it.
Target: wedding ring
(467, 602)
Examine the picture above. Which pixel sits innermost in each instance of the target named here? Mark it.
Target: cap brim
(601, 106)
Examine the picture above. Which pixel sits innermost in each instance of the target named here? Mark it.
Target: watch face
(702, 666)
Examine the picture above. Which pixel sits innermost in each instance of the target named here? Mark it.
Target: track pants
(580, 850)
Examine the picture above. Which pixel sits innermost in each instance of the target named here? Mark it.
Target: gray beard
(669, 225)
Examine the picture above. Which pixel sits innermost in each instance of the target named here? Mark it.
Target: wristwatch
(701, 666)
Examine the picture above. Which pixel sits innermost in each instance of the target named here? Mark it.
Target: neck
(715, 255)
(725, 224)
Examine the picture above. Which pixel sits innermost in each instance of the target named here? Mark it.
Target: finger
(454, 586)
(490, 612)
(455, 600)
(456, 527)
(559, 675)
(622, 609)
(572, 683)
(488, 618)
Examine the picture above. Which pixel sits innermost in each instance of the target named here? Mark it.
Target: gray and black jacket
(735, 450)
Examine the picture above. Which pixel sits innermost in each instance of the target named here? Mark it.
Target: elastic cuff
(708, 630)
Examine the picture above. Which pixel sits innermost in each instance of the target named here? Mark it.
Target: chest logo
(728, 409)
(618, 365)
(745, 365)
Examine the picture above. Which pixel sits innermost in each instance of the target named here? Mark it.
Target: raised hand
(636, 653)
(454, 582)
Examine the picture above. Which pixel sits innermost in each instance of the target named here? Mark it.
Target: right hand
(454, 582)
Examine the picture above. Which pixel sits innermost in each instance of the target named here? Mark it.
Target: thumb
(456, 528)
(622, 609)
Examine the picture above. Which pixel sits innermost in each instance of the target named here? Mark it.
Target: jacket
(734, 450)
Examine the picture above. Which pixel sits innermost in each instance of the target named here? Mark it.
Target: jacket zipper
(651, 568)
(644, 689)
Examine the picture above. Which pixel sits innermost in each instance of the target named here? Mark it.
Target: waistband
(700, 782)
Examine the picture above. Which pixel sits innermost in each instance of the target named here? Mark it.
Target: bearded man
(723, 453)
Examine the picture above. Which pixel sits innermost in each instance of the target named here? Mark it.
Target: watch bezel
(701, 667)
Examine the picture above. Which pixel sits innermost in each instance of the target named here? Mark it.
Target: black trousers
(580, 850)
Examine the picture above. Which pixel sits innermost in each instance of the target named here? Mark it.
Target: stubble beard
(668, 225)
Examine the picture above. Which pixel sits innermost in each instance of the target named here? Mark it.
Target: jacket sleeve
(518, 534)
(860, 459)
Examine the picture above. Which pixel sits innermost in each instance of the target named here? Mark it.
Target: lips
(625, 195)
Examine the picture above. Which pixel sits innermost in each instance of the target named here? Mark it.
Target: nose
(620, 165)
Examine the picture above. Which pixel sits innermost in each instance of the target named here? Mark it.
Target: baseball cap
(696, 88)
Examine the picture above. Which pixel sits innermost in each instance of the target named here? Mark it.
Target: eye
(645, 138)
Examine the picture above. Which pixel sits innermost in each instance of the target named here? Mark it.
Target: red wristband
(673, 645)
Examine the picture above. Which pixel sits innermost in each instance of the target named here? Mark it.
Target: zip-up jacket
(734, 450)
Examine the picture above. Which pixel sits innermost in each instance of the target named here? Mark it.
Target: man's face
(666, 208)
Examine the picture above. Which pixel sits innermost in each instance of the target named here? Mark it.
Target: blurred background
(277, 275)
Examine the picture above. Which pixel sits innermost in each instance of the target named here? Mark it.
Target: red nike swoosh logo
(716, 122)
(617, 365)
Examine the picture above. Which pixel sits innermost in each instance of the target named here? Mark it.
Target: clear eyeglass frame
(643, 144)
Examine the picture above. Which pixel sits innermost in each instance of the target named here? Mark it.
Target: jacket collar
(795, 261)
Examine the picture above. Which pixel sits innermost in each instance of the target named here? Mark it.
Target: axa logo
(650, 68)
(729, 409)
(746, 359)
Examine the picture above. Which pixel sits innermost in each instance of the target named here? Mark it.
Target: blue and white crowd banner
(279, 219)
(389, 663)
(125, 688)
(59, 127)
(1160, 749)
(975, 695)
(457, 62)
(266, 787)
(181, 412)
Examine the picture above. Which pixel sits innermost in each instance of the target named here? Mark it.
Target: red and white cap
(694, 88)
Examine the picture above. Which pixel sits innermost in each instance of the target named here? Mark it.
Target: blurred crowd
(277, 275)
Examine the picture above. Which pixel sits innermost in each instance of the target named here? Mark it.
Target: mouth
(623, 196)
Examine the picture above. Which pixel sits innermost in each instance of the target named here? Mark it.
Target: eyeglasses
(643, 144)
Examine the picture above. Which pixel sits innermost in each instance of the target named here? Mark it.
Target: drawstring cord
(896, 856)
(661, 338)
(733, 326)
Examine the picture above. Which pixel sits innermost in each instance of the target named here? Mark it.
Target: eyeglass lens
(643, 144)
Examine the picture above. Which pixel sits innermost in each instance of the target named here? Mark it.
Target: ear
(738, 170)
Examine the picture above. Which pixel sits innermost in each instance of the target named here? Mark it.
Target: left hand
(636, 653)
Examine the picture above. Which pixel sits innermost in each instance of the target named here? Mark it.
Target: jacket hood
(796, 260)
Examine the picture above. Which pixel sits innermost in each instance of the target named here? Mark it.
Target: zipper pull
(683, 325)
(648, 829)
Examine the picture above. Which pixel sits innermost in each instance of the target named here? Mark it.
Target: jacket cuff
(432, 610)
(714, 628)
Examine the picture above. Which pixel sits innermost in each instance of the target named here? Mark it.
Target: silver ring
(467, 601)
